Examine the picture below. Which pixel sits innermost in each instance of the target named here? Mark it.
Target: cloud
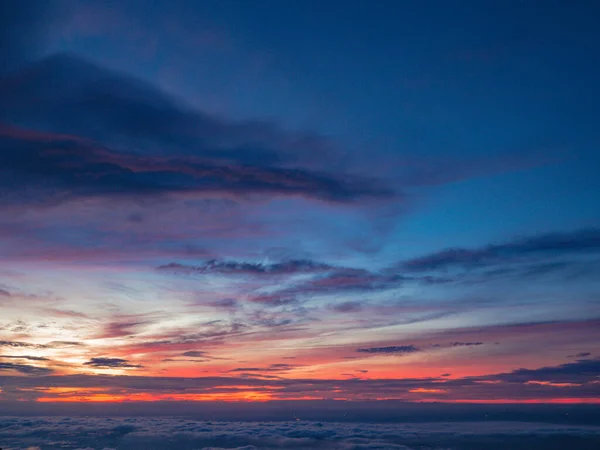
(127, 325)
(316, 279)
(582, 371)
(186, 339)
(575, 381)
(348, 280)
(214, 266)
(283, 298)
(30, 358)
(194, 354)
(121, 329)
(528, 257)
(391, 350)
(580, 355)
(117, 169)
(110, 363)
(579, 242)
(5, 293)
(459, 344)
(65, 344)
(347, 307)
(81, 169)
(52, 344)
(171, 149)
(338, 280)
(25, 368)
(413, 432)
(224, 303)
(270, 368)
(17, 344)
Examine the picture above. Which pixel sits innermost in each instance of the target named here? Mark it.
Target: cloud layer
(161, 433)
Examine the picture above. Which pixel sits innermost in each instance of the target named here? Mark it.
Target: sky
(299, 201)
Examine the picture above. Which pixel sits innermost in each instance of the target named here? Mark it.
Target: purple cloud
(391, 350)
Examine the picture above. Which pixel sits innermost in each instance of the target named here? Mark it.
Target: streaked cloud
(109, 363)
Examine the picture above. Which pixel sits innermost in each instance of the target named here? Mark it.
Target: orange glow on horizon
(245, 396)
(428, 391)
(98, 395)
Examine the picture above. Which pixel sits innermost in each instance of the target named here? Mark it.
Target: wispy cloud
(25, 368)
(111, 363)
(27, 357)
(391, 350)
(235, 268)
(534, 248)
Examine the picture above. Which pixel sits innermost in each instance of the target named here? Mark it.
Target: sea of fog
(155, 433)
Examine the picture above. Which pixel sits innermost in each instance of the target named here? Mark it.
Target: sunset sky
(300, 200)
